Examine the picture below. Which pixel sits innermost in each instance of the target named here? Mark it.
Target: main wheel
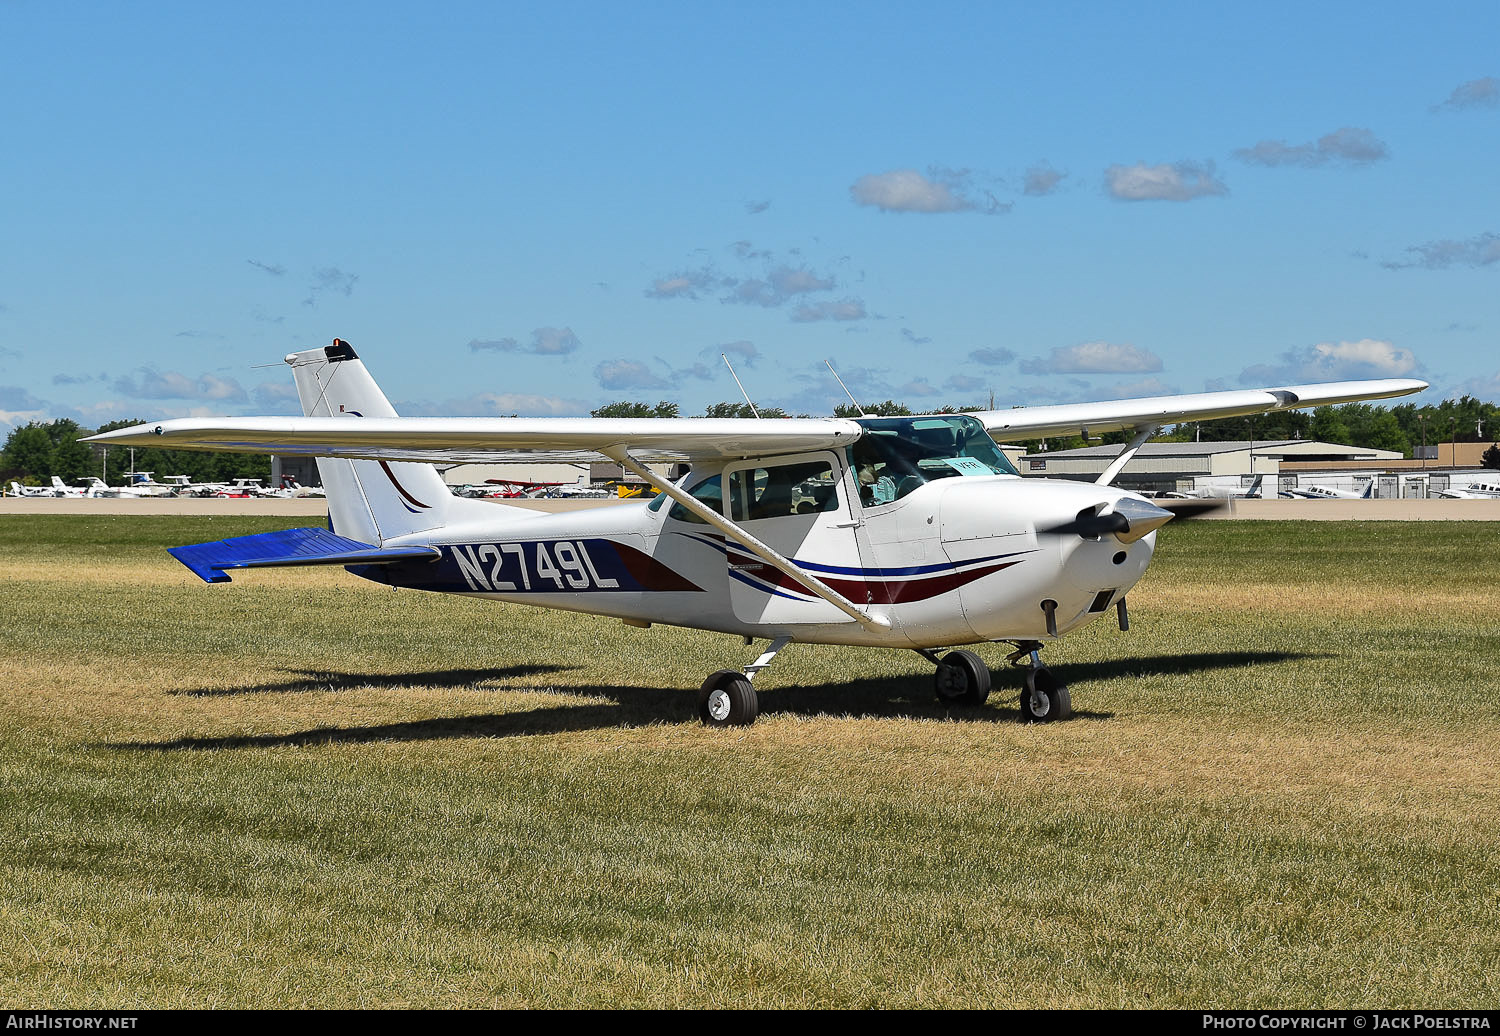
(1045, 698)
(962, 678)
(728, 700)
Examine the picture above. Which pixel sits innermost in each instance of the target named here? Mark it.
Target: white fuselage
(957, 561)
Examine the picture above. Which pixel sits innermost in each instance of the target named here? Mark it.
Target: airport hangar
(1166, 467)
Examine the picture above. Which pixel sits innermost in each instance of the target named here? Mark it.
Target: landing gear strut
(1044, 698)
(728, 698)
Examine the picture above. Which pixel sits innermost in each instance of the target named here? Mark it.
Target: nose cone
(1143, 518)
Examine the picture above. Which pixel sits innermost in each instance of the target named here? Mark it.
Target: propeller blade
(1127, 522)
(1091, 526)
(1185, 509)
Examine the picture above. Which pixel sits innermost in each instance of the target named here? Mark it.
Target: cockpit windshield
(896, 455)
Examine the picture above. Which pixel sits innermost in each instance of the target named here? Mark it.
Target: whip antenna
(845, 388)
(736, 378)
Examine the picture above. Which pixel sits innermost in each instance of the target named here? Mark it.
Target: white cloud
(329, 279)
(554, 341)
(919, 387)
(496, 404)
(992, 357)
(1335, 361)
(847, 309)
(688, 284)
(627, 374)
(1094, 358)
(1178, 181)
(906, 190)
(545, 341)
(171, 385)
(278, 396)
(779, 286)
(1480, 388)
(745, 351)
(1042, 179)
(1350, 145)
(1482, 250)
(1476, 93)
(494, 345)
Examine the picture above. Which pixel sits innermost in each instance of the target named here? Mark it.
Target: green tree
(888, 408)
(626, 408)
(1328, 426)
(28, 451)
(742, 410)
(1491, 457)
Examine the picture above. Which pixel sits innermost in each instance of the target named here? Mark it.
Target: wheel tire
(962, 678)
(728, 700)
(1045, 698)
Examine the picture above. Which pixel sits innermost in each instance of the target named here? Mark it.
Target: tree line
(35, 452)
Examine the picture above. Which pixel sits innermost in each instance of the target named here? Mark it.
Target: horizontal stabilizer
(289, 547)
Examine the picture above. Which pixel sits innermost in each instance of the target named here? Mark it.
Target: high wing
(1040, 422)
(485, 440)
(489, 439)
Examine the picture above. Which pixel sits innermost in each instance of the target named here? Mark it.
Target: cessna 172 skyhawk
(910, 532)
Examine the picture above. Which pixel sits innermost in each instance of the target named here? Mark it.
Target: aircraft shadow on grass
(880, 698)
(312, 681)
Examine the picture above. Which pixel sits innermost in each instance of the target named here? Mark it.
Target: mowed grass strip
(302, 789)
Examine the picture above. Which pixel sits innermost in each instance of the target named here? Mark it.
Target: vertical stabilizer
(369, 500)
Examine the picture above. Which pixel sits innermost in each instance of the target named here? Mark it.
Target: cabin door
(799, 506)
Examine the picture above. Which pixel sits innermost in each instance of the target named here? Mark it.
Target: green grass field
(1282, 789)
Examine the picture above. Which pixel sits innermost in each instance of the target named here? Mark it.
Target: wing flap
(289, 547)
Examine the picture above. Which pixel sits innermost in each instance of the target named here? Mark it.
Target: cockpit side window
(897, 455)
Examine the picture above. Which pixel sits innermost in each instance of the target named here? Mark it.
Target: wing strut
(814, 585)
(1126, 455)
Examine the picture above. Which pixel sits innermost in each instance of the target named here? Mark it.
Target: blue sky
(535, 209)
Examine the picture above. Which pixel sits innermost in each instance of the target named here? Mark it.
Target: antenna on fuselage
(845, 388)
(736, 378)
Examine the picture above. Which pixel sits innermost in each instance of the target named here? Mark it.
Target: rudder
(369, 500)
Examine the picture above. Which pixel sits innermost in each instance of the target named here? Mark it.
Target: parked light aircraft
(1315, 492)
(16, 489)
(1472, 491)
(906, 532)
(1222, 492)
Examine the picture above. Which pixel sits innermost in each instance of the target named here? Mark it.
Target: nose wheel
(1044, 698)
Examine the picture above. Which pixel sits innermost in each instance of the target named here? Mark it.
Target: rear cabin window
(779, 490)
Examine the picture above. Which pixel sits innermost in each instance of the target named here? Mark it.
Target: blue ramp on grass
(289, 547)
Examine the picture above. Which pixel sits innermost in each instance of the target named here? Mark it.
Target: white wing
(1038, 422)
(487, 439)
(477, 440)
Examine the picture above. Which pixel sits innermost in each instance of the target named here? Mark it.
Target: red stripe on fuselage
(872, 591)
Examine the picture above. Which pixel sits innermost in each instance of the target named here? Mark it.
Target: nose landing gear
(1044, 698)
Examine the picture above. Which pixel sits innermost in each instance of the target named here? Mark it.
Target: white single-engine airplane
(901, 532)
(1320, 492)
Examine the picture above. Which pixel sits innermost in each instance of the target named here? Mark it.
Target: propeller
(1185, 509)
(1128, 521)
